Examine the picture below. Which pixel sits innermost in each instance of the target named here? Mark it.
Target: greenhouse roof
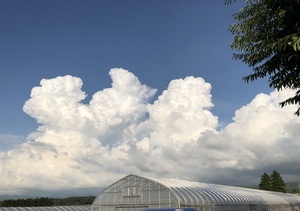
(195, 193)
(190, 193)
(134, 189)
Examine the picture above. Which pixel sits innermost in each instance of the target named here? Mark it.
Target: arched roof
(197, 193)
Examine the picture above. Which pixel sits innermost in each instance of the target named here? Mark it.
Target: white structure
(136, 193)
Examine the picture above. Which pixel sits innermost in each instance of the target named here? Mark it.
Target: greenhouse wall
(135, 193)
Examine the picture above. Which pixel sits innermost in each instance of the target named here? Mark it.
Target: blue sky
(94, 90)
(156, 40)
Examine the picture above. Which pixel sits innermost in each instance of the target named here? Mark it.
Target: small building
(137, 193)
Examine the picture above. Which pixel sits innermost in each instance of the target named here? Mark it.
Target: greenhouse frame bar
(139, 193)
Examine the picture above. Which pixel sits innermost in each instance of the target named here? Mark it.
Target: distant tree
(278, 184)
(265, 182)
(267, 39)
(28, 202)
(85, 200)
(45, 201)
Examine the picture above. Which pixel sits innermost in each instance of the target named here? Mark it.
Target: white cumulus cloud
(120, 132)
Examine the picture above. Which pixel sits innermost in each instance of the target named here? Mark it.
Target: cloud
(120, 132)
(9, 141)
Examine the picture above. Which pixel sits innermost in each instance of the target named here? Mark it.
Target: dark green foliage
(46, 202)
(38, 202)
(272, 183)
(265, 182)
(227, 2)
(278, 184)
(267, 39)
(74, 201)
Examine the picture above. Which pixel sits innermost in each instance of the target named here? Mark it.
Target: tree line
(46, 201)
(30, 202)
(86, 200)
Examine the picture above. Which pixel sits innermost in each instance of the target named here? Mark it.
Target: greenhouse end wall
(134, 193)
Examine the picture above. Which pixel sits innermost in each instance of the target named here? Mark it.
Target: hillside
(292, 187)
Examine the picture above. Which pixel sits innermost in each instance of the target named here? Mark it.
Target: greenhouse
(138, 193)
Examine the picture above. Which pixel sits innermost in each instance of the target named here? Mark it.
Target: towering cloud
(120, 132)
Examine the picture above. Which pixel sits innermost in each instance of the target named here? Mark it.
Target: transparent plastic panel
(217, 199)
(193, 195)
(135, 190)
(200, 198)
(184, 199)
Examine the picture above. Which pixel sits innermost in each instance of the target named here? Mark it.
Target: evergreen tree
(265, 182)
(278, 184)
